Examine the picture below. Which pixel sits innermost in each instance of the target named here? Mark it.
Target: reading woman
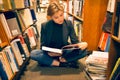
(55, 34)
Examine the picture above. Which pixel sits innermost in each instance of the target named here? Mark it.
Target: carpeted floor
(36, 72)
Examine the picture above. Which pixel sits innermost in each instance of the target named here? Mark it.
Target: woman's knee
(36, 54)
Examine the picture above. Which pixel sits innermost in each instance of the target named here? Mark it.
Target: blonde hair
(53, 8)
(53, 1)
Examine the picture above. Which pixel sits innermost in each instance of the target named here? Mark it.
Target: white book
(16, 51)
(13, 63)
(6, 65)
(26, 17)
(111, 6)
(55, 50)
(69, 48)
(5, 24)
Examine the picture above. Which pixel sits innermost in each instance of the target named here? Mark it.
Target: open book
(60, 51)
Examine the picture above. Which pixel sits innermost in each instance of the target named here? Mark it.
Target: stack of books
(96, 65)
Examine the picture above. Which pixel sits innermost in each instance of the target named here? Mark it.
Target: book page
(55, 50)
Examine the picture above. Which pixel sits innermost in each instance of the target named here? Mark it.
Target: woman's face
(58, 17)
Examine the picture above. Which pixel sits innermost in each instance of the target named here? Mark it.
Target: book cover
(31, 36)
(7, 4)
(19, 4)
(25, 48)
(26, 17)
(61, 51)
(3, 38)
(103, 41)
(7, 67)
(23, 27)
(27, 41)
(14, 27)
(16, 51)
(55, 50)
(1, 5)
(9, 53)
(5, 25)
(22, 52)
(2, 72)
(36, 30)
(33, 14)
(116, 70)
(108, 44)
(13, 22)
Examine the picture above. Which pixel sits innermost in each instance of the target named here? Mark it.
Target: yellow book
(116, 70)
(7, 4)
(19, 3)
(7, 65)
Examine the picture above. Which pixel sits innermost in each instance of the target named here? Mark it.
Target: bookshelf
(94, 13)
(74, 13)
(18, 36)
(91, 16)
(114, 52)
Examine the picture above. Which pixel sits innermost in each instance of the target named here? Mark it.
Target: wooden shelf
(13, 9)
(77, 17)
(4, 44)
(21, 70)
(115, 38)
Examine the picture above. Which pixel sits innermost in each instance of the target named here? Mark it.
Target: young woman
(55, 34)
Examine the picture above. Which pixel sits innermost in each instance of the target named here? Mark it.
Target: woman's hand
(82, 45)
(52, 54)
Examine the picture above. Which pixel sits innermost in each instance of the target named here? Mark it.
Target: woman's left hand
(82, 45)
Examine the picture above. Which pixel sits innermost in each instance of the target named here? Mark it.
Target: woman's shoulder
(68, 22)
(46, 23)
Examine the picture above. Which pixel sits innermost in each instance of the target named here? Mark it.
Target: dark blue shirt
(57, 36)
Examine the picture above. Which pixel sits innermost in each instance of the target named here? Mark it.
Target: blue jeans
(43, 58)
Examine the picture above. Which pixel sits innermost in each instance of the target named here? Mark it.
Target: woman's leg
(43, 58)
(75, 56)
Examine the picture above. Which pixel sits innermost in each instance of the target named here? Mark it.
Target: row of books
(78, 29)
(19, 36)
(16, 22)
(12, 58)
(78, 7)
(104, 42)
(77, 26)
(96, 65)
(14, 4)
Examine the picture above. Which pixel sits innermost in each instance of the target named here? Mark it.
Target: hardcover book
(69, 48)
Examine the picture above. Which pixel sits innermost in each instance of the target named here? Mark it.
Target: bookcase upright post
(114, 52)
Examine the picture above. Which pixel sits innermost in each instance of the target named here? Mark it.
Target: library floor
(35, 72)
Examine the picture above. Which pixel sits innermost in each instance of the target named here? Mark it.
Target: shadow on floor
(54, 70)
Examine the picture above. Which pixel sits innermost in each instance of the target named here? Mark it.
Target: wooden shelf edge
(77, 17)
(22, 69)
(13, 9)
(115, 38)
(3, 44)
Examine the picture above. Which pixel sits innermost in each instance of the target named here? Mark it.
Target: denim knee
(36, 54)
(41, 57)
